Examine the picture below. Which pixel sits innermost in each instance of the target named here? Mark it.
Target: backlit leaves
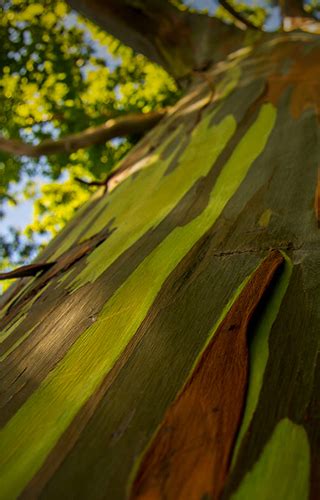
(59, 75)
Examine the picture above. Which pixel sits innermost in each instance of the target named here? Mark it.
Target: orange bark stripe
(190, 454)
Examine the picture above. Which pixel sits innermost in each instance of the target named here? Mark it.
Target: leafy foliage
(313, 6)
(60, 75)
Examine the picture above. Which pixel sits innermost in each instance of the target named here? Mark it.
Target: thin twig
(228, 7)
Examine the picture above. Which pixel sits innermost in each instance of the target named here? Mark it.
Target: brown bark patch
(190, 454)
(303, 77)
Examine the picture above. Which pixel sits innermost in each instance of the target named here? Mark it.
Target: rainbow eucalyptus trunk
(177, 356)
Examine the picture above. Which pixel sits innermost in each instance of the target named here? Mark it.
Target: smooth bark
(179, 41)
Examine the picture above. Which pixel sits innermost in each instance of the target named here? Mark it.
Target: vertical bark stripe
(190, 454)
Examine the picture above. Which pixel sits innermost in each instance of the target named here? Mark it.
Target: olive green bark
(94, 356)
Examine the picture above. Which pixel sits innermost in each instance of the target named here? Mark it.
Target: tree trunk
(178, 357)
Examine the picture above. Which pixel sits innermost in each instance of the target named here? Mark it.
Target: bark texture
(198, 431)
(101, 355)
(179, 41)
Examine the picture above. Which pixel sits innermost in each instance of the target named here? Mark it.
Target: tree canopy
(61, 75)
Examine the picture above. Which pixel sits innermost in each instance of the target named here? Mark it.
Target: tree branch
(242, 19)
(29, 270)
(292, 8)
(294, 17)
(90, 183)
(9, 197)
(116, 127)
(180, 41)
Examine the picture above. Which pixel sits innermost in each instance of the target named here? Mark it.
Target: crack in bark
(288, 247)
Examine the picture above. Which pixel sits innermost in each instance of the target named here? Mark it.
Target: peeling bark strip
(50, 270)
(29, 270)
(190, 454)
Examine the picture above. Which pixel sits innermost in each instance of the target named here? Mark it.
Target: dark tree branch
(9, 197)
(180, 41)
(117, 127)
(65, 260)
(29, 270)
(90, 183)
(105, 182)
(237, 15)
(293, 8)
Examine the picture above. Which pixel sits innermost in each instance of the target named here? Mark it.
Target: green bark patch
(282, 470)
